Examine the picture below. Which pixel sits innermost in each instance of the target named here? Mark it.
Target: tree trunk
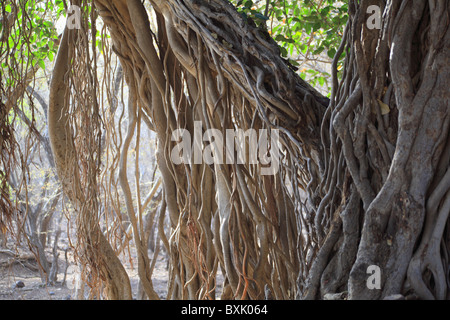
(390, 115)
(95, 248)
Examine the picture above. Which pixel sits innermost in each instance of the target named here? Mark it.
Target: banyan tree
(362, 178)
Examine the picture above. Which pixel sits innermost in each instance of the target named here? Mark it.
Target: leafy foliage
(308, 31)
(40, 44)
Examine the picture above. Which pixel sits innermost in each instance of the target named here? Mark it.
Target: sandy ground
(20, 276)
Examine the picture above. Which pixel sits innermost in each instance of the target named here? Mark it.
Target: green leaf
(248, 4)
(319, 50)
(321, 80)
(294, 62)
(308, 28)
(331, 53)
(261, 16)
(41, 64)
